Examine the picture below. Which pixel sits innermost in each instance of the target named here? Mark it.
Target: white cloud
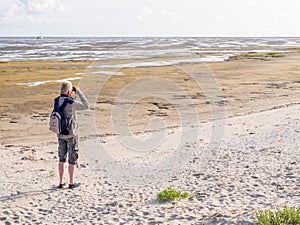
(144, 14)
(149, 17)
(22, 11)
(139, 18)
(41, 6)
(28, 17)
(168, 14)
(253, 3)
(8, 10)
(147, 10)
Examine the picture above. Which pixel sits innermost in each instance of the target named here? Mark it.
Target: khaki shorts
(70, 146)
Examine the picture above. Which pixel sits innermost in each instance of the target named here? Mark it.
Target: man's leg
(72, 147)
(62, 154)
(61, 168)
(71, 173)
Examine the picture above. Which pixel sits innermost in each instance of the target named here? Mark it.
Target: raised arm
(83, 103)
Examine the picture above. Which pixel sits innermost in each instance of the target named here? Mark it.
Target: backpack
(59, 123)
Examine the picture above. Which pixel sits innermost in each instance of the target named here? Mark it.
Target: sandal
(76, 184)
(62, 185)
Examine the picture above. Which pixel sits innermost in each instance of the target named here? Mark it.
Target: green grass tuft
(171, 194)
(52, 174)
(287, 215)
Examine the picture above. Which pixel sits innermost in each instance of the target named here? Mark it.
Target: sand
(254, 166)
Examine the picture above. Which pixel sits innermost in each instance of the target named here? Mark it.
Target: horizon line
(145, 36)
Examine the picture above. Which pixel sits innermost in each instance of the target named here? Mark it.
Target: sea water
(212, 49)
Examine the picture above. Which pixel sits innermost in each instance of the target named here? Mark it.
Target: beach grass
(171, 194)
(287, 215)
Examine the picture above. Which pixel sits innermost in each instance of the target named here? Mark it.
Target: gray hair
(65, 87)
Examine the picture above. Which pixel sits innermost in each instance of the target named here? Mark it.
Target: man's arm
(83, 103)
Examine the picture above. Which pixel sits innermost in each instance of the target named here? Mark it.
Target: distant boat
(40, 36)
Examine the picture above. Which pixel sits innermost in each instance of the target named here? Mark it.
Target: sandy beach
(255, 165)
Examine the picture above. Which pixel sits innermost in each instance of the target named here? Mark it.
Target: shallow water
(93, 48)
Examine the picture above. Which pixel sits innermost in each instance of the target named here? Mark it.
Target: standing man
(69, 143)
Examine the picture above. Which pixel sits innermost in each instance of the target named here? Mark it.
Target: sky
(149, 17)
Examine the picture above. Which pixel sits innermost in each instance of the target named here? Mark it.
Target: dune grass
(287, 215)
(171, 194)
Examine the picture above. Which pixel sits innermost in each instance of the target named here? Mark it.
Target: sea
(188, 49)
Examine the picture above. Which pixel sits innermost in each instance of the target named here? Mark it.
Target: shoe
(62, 185)
(76, 184)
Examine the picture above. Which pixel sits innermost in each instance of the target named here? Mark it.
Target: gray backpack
(59, 123)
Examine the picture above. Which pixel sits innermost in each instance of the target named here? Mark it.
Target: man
(69, 143)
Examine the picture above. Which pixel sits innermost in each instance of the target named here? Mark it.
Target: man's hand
(75, 88)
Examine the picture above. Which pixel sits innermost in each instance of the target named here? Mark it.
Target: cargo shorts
(70, 146)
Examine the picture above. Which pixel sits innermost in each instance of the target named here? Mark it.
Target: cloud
(30, 11)
(253, 3)
(28, 17)
(41, 6)
(147, 10)
(172, 15)
(144, 14)
(139, 18)
(8, 11)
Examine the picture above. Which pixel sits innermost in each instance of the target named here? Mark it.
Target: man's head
(66, 88)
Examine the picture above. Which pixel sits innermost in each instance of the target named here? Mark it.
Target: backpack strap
(66, 101)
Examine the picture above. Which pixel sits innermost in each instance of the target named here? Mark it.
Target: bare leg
(61, 171)
(71, 173)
